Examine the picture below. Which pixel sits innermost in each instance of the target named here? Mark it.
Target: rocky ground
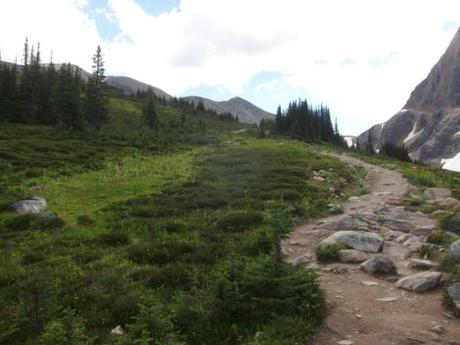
(381, 292)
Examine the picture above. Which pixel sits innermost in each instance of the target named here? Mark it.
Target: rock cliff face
(429, 123)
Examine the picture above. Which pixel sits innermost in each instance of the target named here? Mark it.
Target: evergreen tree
(149, 110)
(200, 106)
(66, 99)
(96, 94)
(28, 86)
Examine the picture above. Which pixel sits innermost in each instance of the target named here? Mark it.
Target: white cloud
(361, 57)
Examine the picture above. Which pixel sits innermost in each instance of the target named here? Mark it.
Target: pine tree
(200, 106)
(96, 94)
(149, 110)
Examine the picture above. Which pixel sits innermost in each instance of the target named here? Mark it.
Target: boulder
(454, 224)
(345, 222)
(33, 205)
(434, 194)
(420, 282)
(453, 291)
(379, 264)
(420, 264)
(413, 243)
(395, 249)
(117, 331)
(448, 203)
(363, 241)
(352, 256)
(454, 249)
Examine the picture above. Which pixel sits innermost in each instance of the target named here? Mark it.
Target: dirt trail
(356, 317)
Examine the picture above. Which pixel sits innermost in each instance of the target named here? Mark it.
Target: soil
(356, 316)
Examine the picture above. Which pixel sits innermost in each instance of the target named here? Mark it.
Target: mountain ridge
(429, 122)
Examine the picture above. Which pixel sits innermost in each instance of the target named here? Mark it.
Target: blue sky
(362, 58)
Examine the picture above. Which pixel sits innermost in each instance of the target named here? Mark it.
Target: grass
(160, 224)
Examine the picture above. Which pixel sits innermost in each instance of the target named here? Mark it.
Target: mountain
(129, 86)
(429, 123)
(246, 111)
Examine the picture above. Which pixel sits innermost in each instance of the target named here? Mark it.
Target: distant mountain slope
(246, 111)
(130, 86)
(429, 123)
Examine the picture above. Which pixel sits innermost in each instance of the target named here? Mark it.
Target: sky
(362, 58)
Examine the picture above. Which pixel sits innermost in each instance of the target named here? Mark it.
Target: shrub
(19, 223)
(235, 221)
(448, 262)
(114, 238)
(48, 221)
(329, 252)
(84, 220)
(428, 251)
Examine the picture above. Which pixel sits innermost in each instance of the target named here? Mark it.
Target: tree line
(34, 93)
(304, 122)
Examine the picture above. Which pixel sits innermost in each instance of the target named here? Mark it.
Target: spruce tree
(149, 110)
(96, 93)
(66, 99)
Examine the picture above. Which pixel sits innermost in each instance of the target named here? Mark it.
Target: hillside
(429, 123)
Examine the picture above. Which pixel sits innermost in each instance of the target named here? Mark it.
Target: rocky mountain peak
(441, 89)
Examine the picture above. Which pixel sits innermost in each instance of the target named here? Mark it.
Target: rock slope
(429, 123)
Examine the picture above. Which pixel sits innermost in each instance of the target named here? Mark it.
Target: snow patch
(349, 141)
(451, 163)
(412, 134)
(404, 111)
(456, 134)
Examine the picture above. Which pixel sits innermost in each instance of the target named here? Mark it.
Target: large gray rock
(33, 205)
(435, 194)
(454, 249)
(352, 256)
(363, 241)
(420, 282)
(345, 222)
(379, 264)
(454, 224)
(453, 292)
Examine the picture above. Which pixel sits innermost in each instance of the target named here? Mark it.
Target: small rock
(438, 329)
(454, 342)
(319, 179)
(117, 331)
(387, 299)
(358, 316)
(300, 261)
(448, 203)
(413, 244)
(345, 342)
(352, 256)
(379, 264)
(435, 194)
(338, 269)
(391, 279)
(33, 205)
(369, 283)
(454, 250)
(419, 282)
(335, 208)
(422, 264)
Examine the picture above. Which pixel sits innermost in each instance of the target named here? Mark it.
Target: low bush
(114, 238)
(84, 220)
(329, 252)
(239, 220)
